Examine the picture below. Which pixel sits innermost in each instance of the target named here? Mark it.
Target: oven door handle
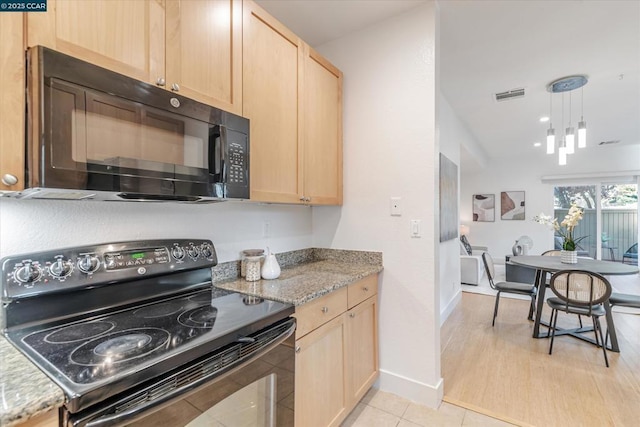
(137, 412)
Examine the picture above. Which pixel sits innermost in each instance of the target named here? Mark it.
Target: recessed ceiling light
(544, 119)
(537, 144)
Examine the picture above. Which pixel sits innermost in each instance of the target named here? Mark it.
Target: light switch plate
(416, 228)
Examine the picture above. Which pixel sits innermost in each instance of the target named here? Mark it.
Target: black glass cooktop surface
(111, 346)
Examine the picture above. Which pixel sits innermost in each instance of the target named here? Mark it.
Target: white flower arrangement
(575, 214)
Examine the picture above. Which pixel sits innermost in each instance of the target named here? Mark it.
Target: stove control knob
(177, 252)
(60, 268)
(192, 251)
(206, 250)
(28, 273)
(88, 264)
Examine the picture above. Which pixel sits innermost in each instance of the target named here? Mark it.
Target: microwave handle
(217, 142)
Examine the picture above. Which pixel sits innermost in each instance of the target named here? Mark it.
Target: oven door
(250, 383)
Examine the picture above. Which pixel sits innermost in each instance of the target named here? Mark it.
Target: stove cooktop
(130, 346)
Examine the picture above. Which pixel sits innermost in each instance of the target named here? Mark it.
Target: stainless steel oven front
(135, 333)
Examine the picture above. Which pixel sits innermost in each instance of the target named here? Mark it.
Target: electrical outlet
(395, 207)
(266, 229)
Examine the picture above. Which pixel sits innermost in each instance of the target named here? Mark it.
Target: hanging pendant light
(567, 144)
(551, 133)
(562, 154)
(582, 125)
(570, 133)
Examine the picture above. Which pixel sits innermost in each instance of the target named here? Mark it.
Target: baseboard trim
(444, 314)
(425, 394)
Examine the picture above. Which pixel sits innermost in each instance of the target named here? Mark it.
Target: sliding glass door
(619, 219)
(610, 222)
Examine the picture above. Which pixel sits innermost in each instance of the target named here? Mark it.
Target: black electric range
(105, 319)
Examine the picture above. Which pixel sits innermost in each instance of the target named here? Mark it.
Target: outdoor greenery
(585, 196)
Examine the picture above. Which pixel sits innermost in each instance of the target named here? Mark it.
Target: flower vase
(568, 257)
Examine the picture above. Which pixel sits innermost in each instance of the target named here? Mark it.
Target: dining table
(552, 264)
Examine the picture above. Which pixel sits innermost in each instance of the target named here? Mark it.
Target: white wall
(515, 174)
(390, 149)
(35, 225)
(452, 134)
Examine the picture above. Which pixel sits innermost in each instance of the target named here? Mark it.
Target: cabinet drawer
(315, 313)
(362, 289)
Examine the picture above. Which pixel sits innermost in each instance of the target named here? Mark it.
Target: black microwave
(96, 134)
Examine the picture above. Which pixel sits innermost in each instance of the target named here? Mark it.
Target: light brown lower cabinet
(48, 419)
(336, 353)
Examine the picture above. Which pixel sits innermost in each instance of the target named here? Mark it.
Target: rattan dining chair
(556, 252)
(551, 252)
(508, 287)
(579, 292)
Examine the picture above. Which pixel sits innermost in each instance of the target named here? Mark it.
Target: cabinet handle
(160, 82)
(175, 87)
(298, 349)
(352, 315)
(325, 309)
(302, 199)
(8, 179)
(366, 289)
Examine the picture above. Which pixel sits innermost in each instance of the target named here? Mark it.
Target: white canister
(270, 267)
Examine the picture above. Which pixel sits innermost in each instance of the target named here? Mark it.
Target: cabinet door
(361, 349)
(319, 380)
(271, 85)
(122, 35)
(204, 51)
(12, 141)
(322, 131)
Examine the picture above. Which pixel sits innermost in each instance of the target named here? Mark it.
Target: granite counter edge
(26, 391)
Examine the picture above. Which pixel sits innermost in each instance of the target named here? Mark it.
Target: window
(611, 212)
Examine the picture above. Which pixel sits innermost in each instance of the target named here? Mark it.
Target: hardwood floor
(504, 372)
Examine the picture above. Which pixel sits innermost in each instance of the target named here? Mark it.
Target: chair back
(488, 267)
(552, 252)
(580, 288)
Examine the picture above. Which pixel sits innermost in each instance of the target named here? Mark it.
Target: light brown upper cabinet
(293, 98)
(193, 47)
(322, 131)
(12, 104)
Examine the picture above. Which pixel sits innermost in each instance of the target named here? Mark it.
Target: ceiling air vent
(613, 141)
(510, 94)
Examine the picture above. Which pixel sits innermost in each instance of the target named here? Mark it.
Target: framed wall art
(448, 199)
(512, 205)
(484, 207)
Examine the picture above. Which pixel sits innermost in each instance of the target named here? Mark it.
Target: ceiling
(496, 46)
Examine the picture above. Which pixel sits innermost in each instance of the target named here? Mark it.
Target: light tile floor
(381, 409)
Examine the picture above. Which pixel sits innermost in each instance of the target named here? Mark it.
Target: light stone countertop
(301, 283)
(307, 274)
(24, 390)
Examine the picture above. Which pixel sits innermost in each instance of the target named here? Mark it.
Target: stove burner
(201, 317)
(159, 310)
(119, 346)
(79, 332)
